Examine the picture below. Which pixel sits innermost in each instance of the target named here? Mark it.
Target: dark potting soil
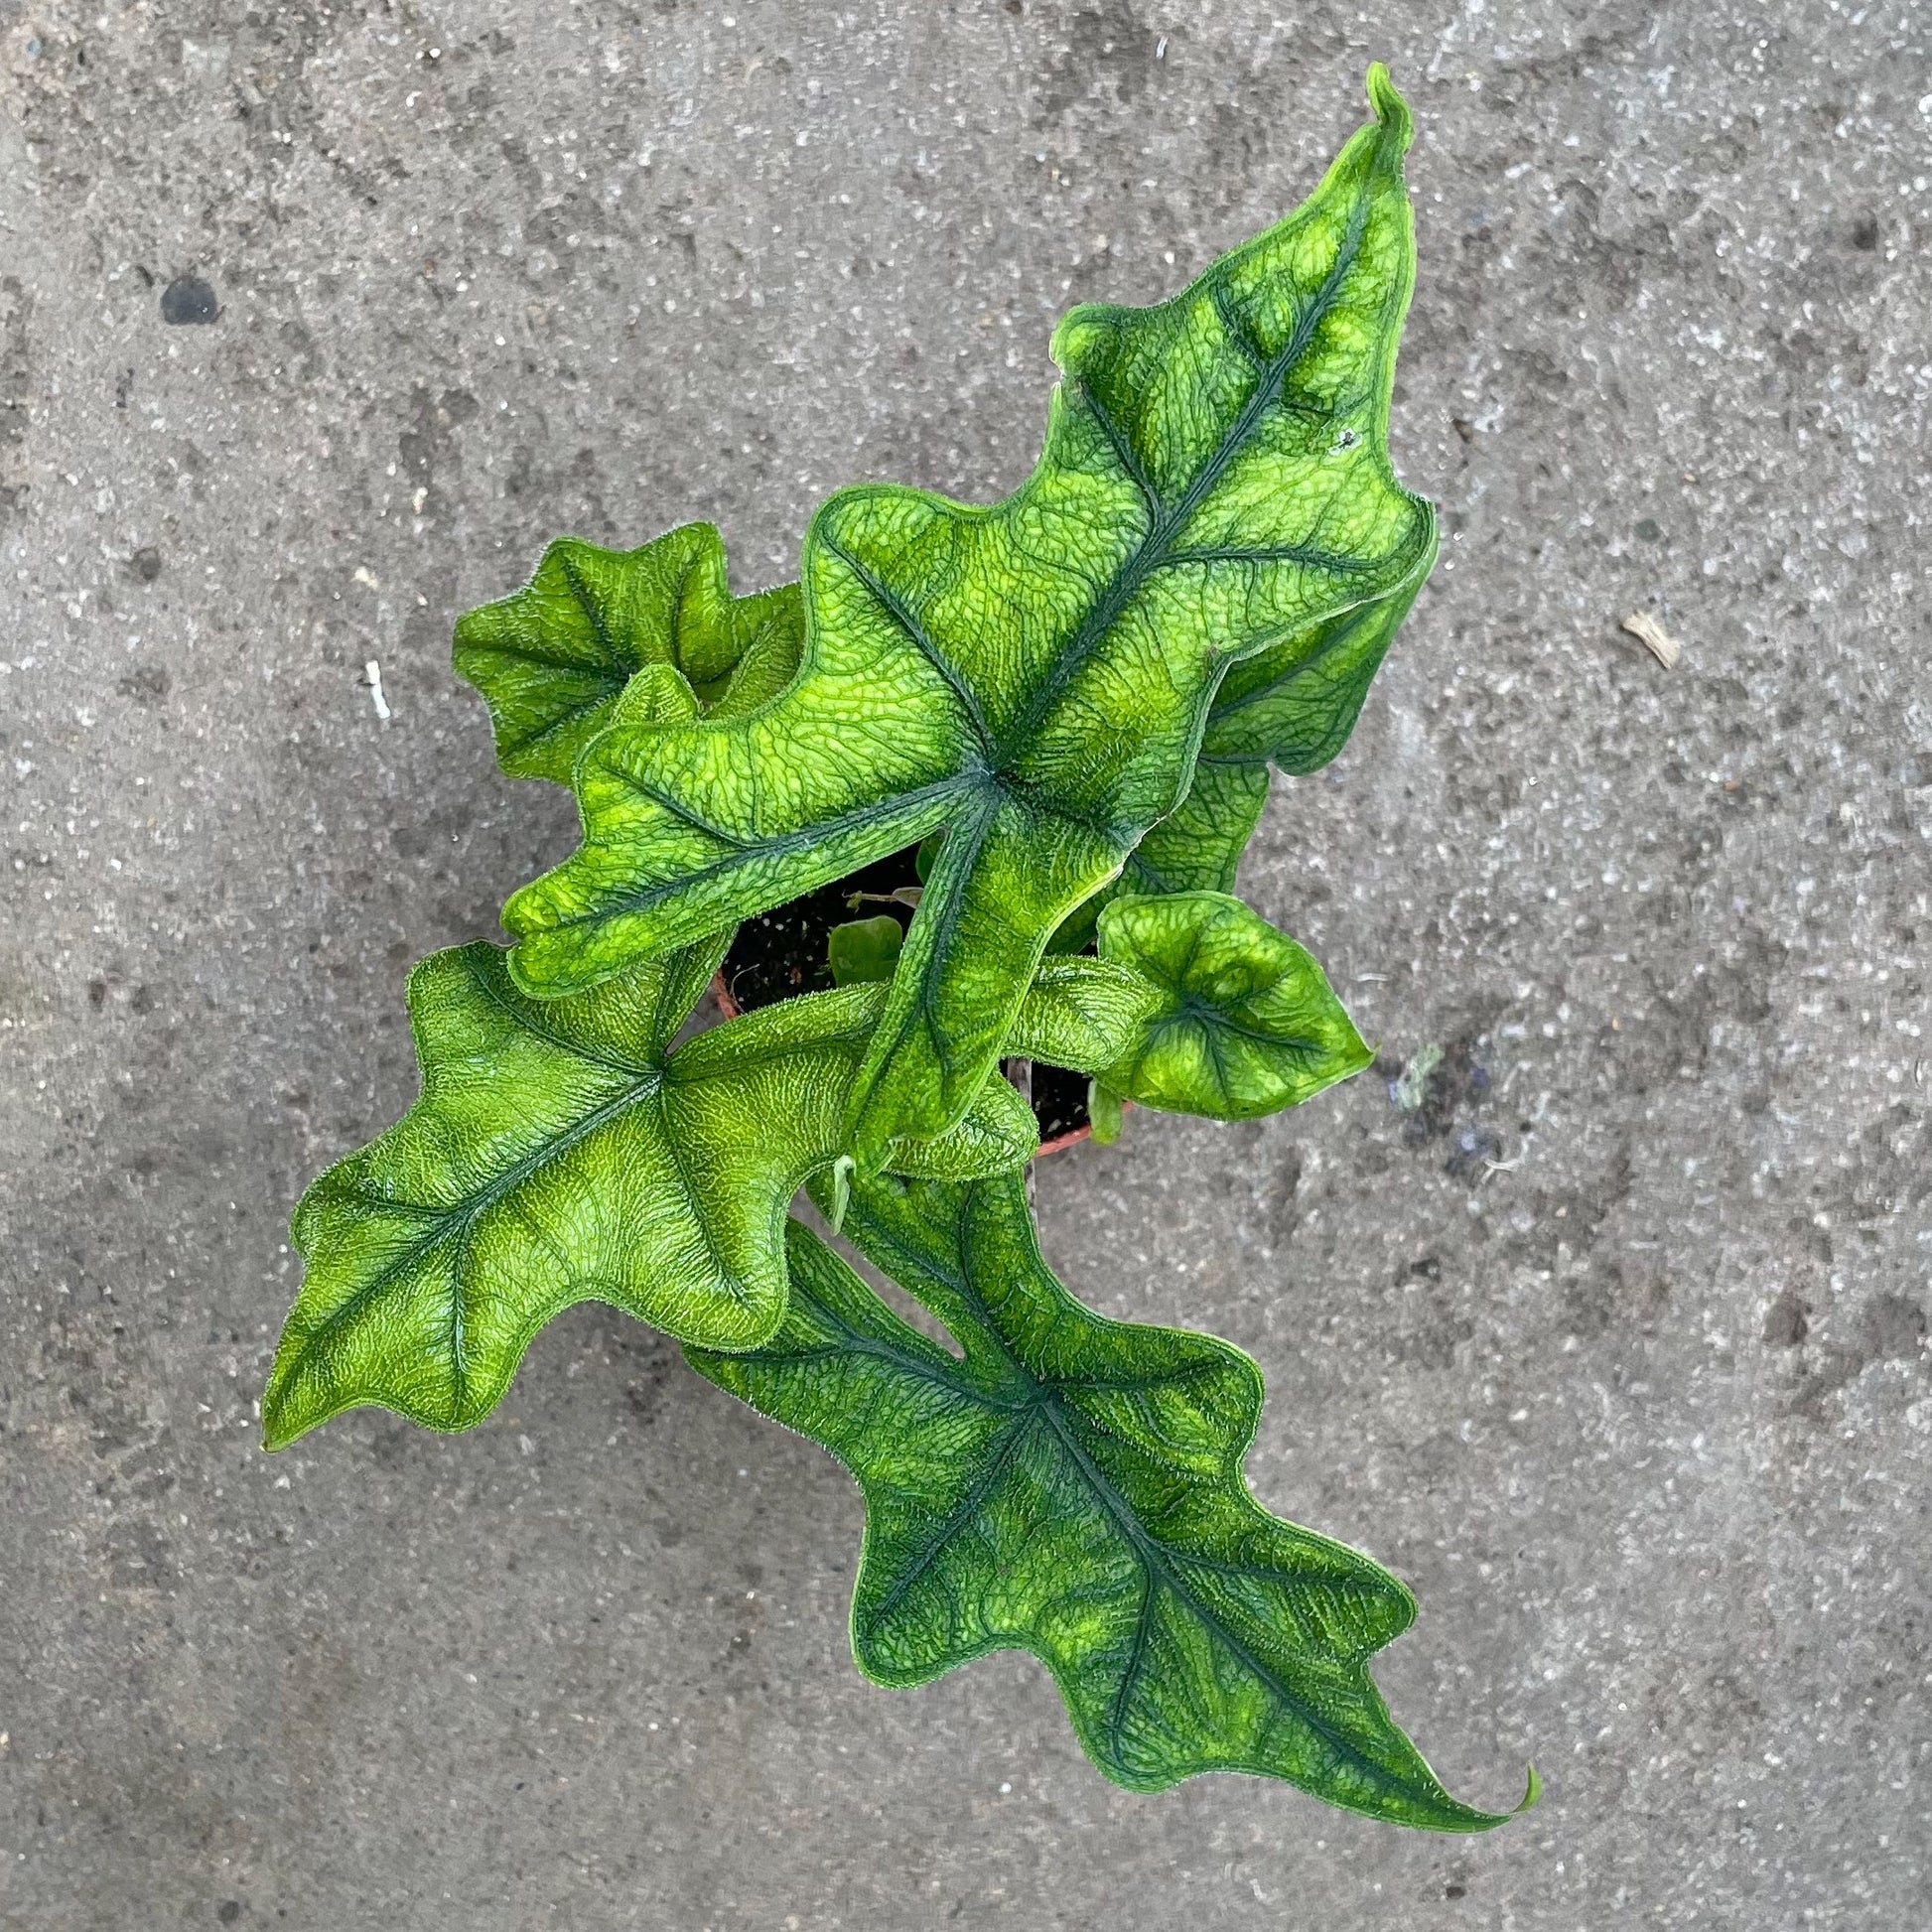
(782, 952)
(1059, 1100)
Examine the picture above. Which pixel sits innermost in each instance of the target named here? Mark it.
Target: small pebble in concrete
(189, 299)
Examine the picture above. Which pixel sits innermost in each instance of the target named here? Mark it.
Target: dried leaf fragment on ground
(1654, 637)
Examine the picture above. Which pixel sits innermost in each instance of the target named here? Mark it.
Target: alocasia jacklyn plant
(1070, 700)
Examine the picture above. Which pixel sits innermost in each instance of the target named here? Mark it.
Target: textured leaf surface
(1197, 847)
(1084, 1012)
(1034, 677)
(1196, 1005)
(1074, 1487)
(552, 660)
(1295, 704)
(1292, 706)
(1246, 1022)
(557, 1154)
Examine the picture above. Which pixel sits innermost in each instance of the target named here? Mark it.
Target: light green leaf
(552, 660)
(559, 1154)
(1083, 1013)
(1035, 676)
(864, 949)
(1074, 1487)
(1197, 847)
(1246, 1023)
(1196, 1005)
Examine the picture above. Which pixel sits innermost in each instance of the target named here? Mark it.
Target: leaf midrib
(896, 607)
(593, 612)
(942, 919)
(1193, 1011)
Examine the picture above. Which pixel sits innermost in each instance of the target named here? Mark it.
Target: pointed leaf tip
(1487, 1820)
(1390, 107)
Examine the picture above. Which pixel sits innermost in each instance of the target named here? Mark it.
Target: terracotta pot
(1071, 1138)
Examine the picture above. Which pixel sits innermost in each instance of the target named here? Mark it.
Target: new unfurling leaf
(1245, 1025)
(1035, 676)
(1196, 1005)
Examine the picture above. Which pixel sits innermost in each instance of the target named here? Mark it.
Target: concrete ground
(1614, 1347)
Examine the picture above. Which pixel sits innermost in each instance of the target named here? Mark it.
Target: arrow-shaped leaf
(1246, 1023)
(1195, 1005)
(559, 1154)
(552, 660)
(1074, 1487)
(1034, 676)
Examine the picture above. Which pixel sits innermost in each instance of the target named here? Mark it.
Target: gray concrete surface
(1643, 1412)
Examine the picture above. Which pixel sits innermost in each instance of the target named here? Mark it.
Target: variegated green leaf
(1035, 676)
(1195, 1005)
(1074, 1487)
(1246, 1022)
(560, 1154)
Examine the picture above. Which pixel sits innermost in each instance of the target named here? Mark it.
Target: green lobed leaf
(1034, 677)
(560, 1154)
(552, 660)
(1246, 1023)
(1074, 1487)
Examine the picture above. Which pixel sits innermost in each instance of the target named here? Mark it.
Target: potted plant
(970, 793)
